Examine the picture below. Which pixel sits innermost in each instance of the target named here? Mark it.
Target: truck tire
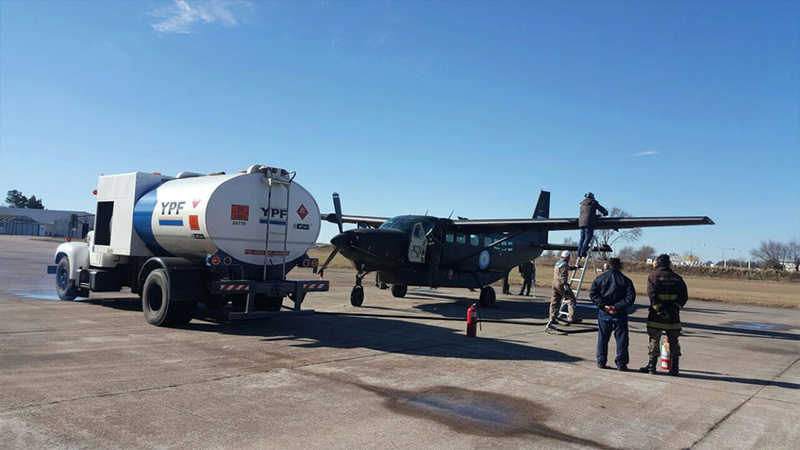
(65, 288)
(158, 308)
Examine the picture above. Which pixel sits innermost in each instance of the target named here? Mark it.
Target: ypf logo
(302, 212)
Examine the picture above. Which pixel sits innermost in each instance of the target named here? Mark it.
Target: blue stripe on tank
(143, 222)
(273, 222)
(170, 222)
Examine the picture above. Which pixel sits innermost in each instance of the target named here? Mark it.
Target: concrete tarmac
(395, 373)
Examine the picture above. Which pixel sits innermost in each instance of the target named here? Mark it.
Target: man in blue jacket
(613, 293)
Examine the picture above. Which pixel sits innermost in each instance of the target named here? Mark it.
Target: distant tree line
(17, 200)
(773, 254)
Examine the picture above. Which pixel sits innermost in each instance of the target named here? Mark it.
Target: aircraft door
(417, 244)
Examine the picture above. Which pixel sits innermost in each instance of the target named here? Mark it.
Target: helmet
(589, 195)
(566, 254)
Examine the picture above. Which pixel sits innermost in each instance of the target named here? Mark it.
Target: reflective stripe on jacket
(668, 294)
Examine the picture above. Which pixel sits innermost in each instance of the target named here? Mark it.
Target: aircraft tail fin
(542, 210)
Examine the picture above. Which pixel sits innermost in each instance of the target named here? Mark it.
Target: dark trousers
(586, 237)
(654, 345)
(506, 287)
(526, 284)
(619, 326)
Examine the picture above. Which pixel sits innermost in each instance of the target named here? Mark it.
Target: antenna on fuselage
(451, 214)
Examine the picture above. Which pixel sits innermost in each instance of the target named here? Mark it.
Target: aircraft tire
(357, 296)
(399, 290)
(487, 297)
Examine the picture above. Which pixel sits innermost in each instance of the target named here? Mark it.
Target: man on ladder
(562, 291)
(586, 221)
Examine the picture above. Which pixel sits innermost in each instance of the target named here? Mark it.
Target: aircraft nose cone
(343, 240)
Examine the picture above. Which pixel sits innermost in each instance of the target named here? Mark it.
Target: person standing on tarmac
(506, 287)
(613, 293)
(562, 290)
(586, 221)
(526, 270)
(668, 294)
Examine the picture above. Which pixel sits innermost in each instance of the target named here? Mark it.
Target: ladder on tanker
(284, 179)
(591, 257)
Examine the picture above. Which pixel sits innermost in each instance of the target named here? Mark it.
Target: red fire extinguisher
(666, 356)
(472, 320)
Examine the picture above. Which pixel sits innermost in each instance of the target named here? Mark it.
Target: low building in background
(20, 226)
(45, 222)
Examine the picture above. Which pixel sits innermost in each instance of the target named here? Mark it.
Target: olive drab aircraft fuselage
(440, 252)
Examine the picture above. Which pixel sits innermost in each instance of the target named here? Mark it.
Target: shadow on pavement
(398, 334)
(702, 376)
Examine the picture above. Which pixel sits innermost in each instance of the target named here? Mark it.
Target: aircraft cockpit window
(473, 240)
(461, 239)
(449, 238)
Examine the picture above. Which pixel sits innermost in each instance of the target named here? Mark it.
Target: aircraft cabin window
(418, 231)
(448, 238)
(487, 241)
(473, 240)
(461, 239)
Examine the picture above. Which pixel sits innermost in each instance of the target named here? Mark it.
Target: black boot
(651, 366)
(674, 370)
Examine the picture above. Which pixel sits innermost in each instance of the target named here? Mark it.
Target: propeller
(337, 206)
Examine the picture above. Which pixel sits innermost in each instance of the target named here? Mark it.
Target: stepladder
(578, 280)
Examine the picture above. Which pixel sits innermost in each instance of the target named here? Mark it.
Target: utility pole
(723, 254)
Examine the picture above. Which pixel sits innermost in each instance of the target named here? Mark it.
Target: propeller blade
(328, 261)
(337, 206)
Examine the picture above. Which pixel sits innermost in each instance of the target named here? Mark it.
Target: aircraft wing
(550, 224)
(371, 221)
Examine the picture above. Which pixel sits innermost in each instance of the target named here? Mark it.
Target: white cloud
(181, 16)
(647, 153)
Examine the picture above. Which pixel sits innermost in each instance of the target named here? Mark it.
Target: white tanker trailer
(215, 239)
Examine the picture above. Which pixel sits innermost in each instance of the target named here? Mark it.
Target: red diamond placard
(302, 212)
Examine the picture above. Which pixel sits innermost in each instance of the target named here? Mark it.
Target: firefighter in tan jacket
(562, 290)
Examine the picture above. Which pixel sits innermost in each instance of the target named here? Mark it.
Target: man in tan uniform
(562, 290)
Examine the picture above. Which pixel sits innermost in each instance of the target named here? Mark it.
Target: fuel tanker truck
(224, 240)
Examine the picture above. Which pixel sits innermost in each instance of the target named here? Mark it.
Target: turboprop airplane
(440, 252)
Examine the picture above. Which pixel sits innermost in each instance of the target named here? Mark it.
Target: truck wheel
(487, 297)
(399, 290)
(65, 288)
(357, 296)
(159, 309)
(155, 298)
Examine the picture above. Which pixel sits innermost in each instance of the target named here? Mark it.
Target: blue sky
(660, 108)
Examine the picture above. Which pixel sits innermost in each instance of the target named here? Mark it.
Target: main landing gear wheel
(399, 291)
(487, 297)
(357, 296)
